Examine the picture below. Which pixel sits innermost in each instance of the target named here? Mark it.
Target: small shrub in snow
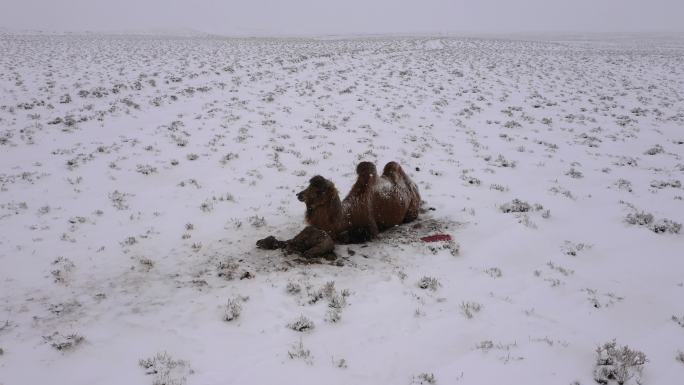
(665, 226)
(328, 290)
(498, 187)
(232, 310)
(192, 156)
(565, 271)
(657, 149)
(429, 283)
(146, 264)
(471, 180)
(619, 364)
(678, 320)
(574, 173)
(493, 272)
(257, 221)
(333, 315)
(661, 184)
(503, 162)
(146, 169)
(515, 206)
(341, 363)
(63, 343)
(470, 308)
(5, 326)
(679, 357)
(485, 345)
(424, 378)
(337, 301)
(298, 351)
(301, 324)
(118, 200)
(526, 221)
(165, 369)
(572, 249)
(623, 184)
(207, 206)
(2, 351)
(512, 124)
(639, 218)
(62, 272)
(227, 269)
(228, 157)
(293, 288)
(662, 225)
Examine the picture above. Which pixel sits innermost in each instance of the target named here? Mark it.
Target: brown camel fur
(374, 203)
(310, 243)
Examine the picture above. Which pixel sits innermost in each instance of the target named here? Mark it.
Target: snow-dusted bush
(657, 149)
(333, 315)
(293, 288)
(664, 225)
(146, 169)
(639, 218)
(166, 370)
(64, 342)
(572, 249)
(515, 206)
(429, 283)
(661, 184)
(424, 379)
(680, 356)
(301, 324)
(498, 187)
(298, 351)
(619, 364)
(624, 184)
(574, 173)
(678, 320)
(62, 271)
(118, 199)
(493, 272)
(232, 309)
(658, 226)
(500, 161)
(468, 309)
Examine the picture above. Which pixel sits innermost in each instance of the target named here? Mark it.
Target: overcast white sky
(319, 17)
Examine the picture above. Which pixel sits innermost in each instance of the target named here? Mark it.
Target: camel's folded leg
(311, 242)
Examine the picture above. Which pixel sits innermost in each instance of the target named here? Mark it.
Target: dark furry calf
(310, 243)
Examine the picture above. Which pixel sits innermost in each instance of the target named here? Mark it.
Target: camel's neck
(328, 217)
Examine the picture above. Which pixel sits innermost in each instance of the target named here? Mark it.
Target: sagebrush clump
(618, 363)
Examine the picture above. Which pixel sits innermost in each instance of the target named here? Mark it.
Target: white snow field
(137, 172)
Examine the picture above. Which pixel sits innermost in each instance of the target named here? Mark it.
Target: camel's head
(320, 192)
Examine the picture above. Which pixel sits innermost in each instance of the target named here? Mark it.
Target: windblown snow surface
(136, 174)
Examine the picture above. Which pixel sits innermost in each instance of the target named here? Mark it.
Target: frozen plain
(137, 172)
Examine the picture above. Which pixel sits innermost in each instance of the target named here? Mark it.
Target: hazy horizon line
(251, 33)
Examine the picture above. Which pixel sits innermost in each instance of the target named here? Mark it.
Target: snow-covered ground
(136, 174)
